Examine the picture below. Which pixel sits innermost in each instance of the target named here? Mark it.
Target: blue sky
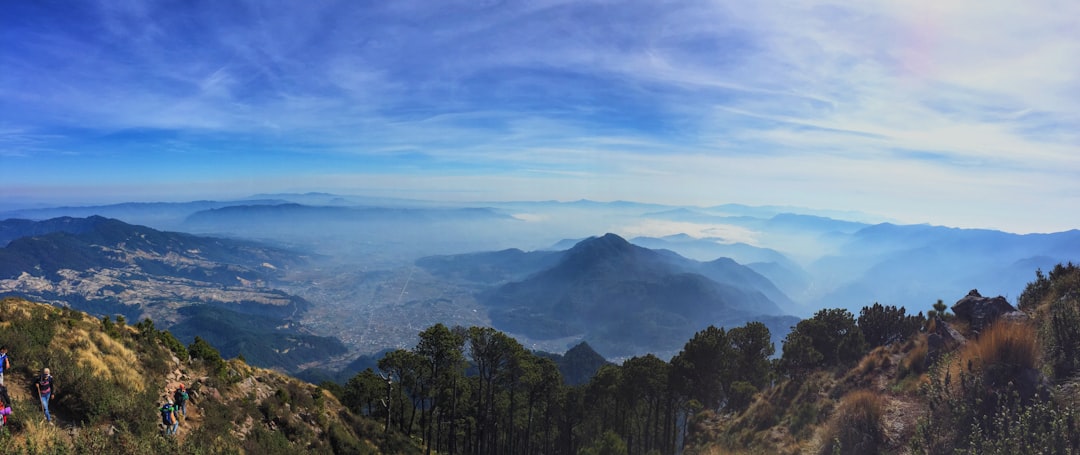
(962, 113)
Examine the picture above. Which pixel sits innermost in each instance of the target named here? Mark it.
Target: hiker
(5, 405)
(44, 384)
(4, 363)
(168, 417)
(180, 397)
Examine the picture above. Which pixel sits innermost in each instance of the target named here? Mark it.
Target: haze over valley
(334, 278)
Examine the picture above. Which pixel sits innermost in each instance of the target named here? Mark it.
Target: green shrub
(830, 338)
(201, 350)
(609, 443)
(805, 415)
(881, 325)
(967, 416)
(264, 441)
(1061, 337)
(741, 395)
(173, 345)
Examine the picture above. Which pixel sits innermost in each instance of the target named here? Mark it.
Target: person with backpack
(180, 398)
(5, 405)
(4, 363)
(45, 389)
(168, 417)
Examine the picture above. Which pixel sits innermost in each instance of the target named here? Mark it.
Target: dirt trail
(902, 410)
(24, 396)
(191, 421)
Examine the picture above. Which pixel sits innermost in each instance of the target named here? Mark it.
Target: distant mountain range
(621, 298)
(914, 265)
(219, 289)
(357, 256)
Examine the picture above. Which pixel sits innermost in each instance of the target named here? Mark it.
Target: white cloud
(662, 228)
(949, 112)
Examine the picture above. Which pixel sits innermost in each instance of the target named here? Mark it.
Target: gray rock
(981, 311)
(942, 339)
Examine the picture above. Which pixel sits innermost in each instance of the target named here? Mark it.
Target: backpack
(167, 414)
(183, 395)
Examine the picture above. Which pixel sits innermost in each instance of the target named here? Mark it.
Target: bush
(741, 395)
(201, 350)
(173, 344)
(805, 416)
(1062, 280)
(855, 427)
(830, 338)
(1042, 427)
(1003, 353)
(967, 416)
(915, 360)
(607, 444)
(882, 325)
(1061, 336)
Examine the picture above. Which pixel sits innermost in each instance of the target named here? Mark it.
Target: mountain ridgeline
(708, 360)
(222, 289)
(621, 298)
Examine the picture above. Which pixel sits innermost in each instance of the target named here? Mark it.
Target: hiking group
(43, 383)
(173, 409)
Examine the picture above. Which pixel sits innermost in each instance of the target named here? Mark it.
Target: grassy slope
(808, 414)
(110, 382)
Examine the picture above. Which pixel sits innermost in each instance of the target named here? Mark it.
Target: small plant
(855, 427)
(914, 361)
(941, 310)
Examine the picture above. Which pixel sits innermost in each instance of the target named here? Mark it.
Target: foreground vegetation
(945, 388)
(111, 377)
(882, 381)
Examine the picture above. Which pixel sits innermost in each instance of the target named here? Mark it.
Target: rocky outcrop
(982, 311)
(940, 338)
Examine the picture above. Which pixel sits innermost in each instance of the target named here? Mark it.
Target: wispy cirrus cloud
(918, 108)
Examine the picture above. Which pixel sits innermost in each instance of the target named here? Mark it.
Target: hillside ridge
(111, 377)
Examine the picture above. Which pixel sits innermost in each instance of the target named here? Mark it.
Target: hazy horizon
(958, 115)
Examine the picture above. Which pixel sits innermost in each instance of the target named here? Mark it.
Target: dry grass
(876, 359)
(914, 361)
(855, 427)
(1005, 345)
(43, 437)
(13, 308)
(105, 356)
(1009, 344)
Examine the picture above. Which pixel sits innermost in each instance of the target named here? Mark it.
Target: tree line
(479, 391)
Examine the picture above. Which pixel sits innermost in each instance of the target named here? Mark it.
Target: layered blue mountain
(782, 272)
(46, 247)
(914, 265)
(158, 215)
(624, 299)
(210, 287)
(306, 214)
